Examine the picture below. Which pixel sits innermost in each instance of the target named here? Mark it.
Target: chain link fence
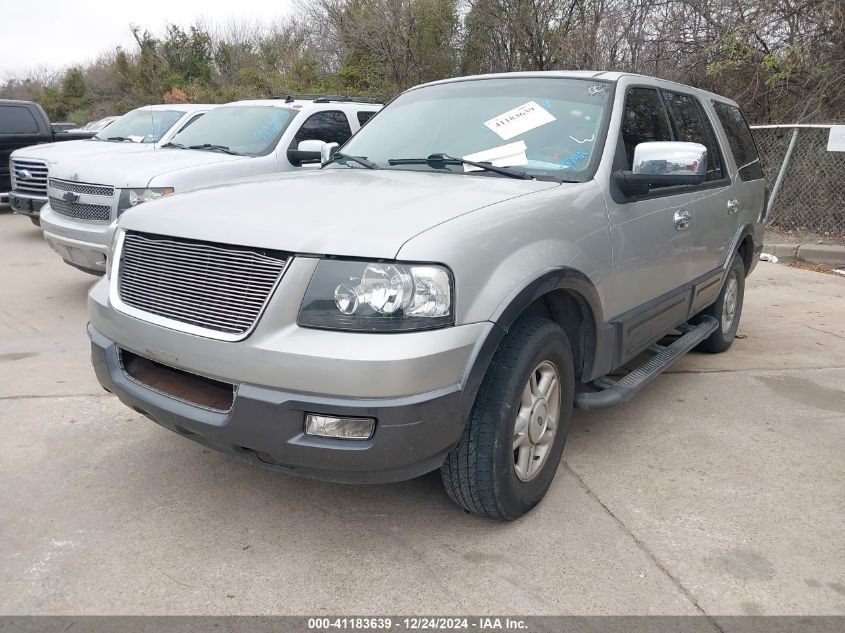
(812, 194)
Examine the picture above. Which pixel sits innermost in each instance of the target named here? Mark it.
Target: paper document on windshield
(519, 120)
(503, 156)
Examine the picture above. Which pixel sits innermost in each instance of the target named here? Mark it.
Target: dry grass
(818, 268)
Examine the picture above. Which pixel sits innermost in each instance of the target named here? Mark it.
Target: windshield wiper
(215, 148)
(441, 160)
(176, 145)
(361, 160)
(118, 138)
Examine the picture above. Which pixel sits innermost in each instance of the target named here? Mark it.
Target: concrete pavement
(720, 489)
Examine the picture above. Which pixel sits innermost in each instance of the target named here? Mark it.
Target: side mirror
(329, 150)
(664, 163)
(306, 152)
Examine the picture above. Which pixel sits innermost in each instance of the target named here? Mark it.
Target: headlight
(377, 297)
(133, 197)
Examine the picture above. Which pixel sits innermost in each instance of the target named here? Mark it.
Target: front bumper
(417, 385)
(26, 204)
(81, 244)
(265, 426)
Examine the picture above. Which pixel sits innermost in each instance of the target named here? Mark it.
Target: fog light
(345, 428)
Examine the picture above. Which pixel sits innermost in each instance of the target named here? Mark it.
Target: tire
(35, 220)
(484, 472)
(724, 335)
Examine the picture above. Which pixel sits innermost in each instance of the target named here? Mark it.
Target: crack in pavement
(644, 548)
(817, 329)
(750, 369)
(55, 395)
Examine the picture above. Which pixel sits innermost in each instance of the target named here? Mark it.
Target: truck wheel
(727, 310)
(511, 446)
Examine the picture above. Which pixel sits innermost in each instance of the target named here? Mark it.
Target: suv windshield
(247, 130)
(544, 126)
(141, 126)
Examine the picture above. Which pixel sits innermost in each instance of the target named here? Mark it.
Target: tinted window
(691, 126)
(740, 140)
(17, 120)
(330, 127)
(364, 116)
(643, 120)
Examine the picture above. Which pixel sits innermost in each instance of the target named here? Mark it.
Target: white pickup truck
(245, 139)
(140, 129)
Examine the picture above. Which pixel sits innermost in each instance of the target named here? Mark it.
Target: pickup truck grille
(30, 176)
(81, 187)
(81, 210)
(215, 287)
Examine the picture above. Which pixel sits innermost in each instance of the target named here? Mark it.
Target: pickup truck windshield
(141, 126)
(247, 130)
(544, 126)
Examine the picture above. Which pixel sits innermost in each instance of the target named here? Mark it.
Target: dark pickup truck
(24, 123)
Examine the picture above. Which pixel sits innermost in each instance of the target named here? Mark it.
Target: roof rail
(316, 98)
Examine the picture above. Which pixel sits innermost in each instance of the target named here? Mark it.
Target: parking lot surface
(720, 489)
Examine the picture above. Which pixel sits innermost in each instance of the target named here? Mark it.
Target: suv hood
(350, 212)
(53, 152)
(131, 169)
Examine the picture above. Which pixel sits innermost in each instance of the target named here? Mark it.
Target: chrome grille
(211, 286)
(81, 187)
(81, 210)
(35, 183)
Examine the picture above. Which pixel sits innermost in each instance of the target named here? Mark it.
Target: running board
(613, 391)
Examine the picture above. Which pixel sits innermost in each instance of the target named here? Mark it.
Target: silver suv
(486, 254)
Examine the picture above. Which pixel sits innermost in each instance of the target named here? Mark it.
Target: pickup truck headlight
(377, 297)
(132, 197)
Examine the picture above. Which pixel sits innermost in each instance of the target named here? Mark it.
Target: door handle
(683, 219)
(733, 206)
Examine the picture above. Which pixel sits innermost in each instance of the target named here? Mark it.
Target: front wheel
(512, 444)
(727, 310)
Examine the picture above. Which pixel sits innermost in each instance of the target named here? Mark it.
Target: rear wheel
(727, 310)
(512, 444)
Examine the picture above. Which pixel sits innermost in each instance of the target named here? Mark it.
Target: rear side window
(740, 140)
(17, 120)
(364, 116)
(691, 126)
(330, 126)
(643, 120)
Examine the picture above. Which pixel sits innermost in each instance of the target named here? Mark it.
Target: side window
(740, 140)
(691, 125)
(364, 116)
(17, 120)
(191, 121)
(330, 126)
(643, 120)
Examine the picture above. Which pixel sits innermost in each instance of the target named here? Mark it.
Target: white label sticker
(519, 120)
(836, 139)
(503, 156)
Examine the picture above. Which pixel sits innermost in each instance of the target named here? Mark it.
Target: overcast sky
(58, 33)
